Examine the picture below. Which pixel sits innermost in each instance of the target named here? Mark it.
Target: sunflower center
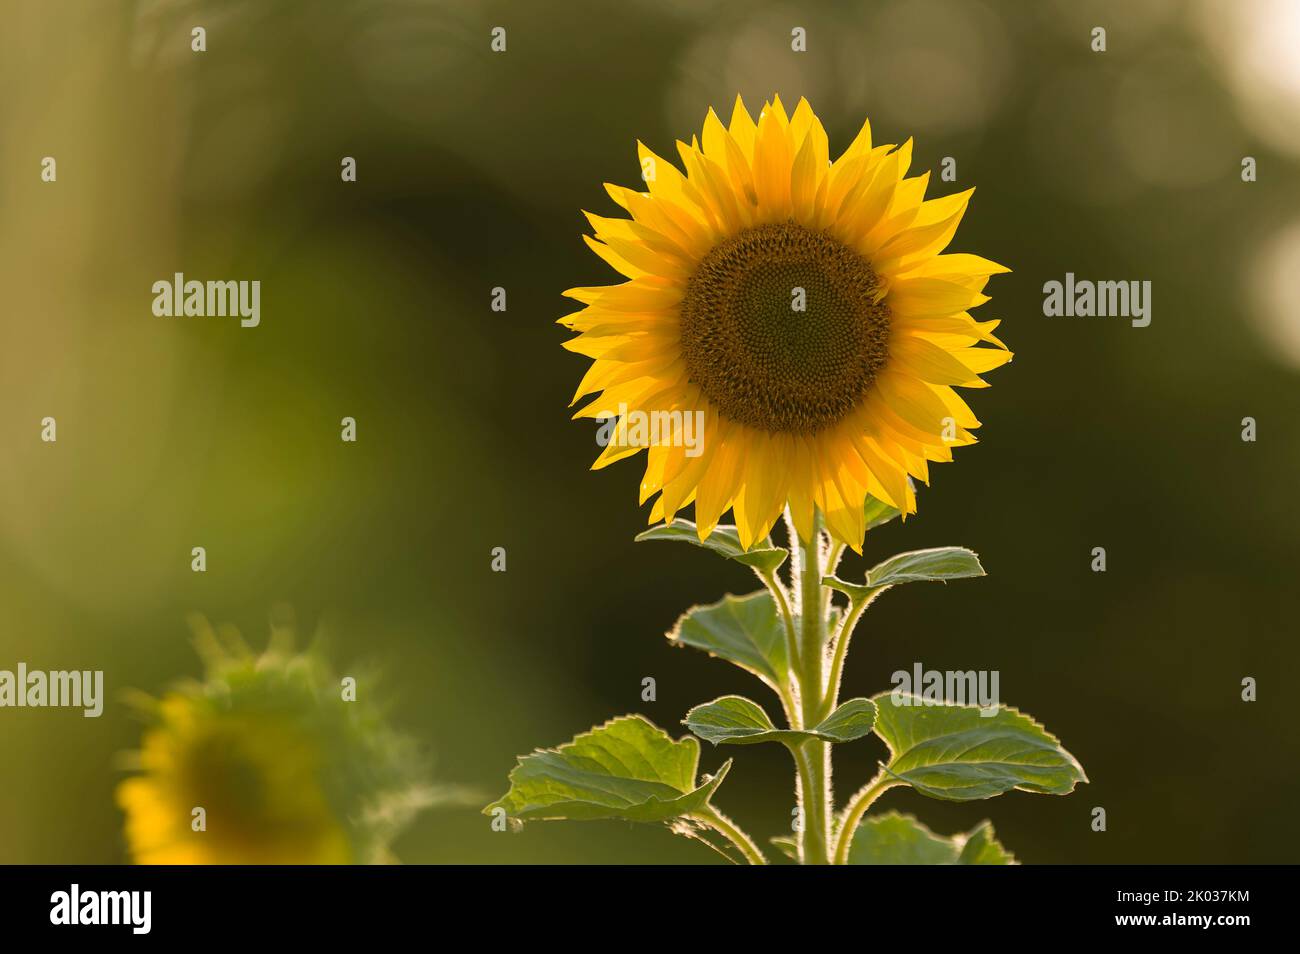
(780, 328)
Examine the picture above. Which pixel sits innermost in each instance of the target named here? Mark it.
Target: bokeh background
(473, 168)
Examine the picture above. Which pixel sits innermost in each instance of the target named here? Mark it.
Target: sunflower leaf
(878, 512)
(724, 540)
(735, 720)
(956, 753)
(982, 848)
(854, 591)
(850, 720)
(786, 845)
(627, 768)
(939, 564)
(744, 630)
(893, 838)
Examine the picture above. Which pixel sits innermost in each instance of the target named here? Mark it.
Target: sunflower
(800, 310)
(284, 769)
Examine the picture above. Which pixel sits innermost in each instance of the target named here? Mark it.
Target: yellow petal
(763, 496)
(772, 165)
(930, 297)
(742, 128)
(980, 360)
(721, 481)
(930, 362)
(935, 224)
(860, 146)
(911, 400)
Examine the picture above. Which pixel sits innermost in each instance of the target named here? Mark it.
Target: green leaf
(786, 845)
(955, 753)
(724, 540)
(939, 564)
(982, 848)
(735, 720)
(854, 591)
(745, 630)
(878, 512)
(896, 839)
(627, 768)
(850, 720)
(893, 838)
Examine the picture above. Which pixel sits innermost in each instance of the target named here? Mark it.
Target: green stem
(816, 791)
(728, 829)
(793, 714)
(855, 809)
(833, 560)
(816, 775)
(803, 782)
(812, 623)
(841, 644)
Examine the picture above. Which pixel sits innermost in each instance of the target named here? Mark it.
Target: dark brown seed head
(758, 358)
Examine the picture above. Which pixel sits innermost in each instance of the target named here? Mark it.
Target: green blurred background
(473, 168)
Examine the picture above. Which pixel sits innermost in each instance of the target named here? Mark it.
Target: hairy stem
(728, 829)
(818, 811)
(833, 559)
(815, 779)
(841, 643)
(855, 809)
(786, 690)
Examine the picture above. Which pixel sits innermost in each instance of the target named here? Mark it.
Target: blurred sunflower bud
(270, 759)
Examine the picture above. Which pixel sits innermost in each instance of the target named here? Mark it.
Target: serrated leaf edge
(923, 704)
(710, 782)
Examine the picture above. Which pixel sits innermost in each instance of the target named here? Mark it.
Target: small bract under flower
(804, 307)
